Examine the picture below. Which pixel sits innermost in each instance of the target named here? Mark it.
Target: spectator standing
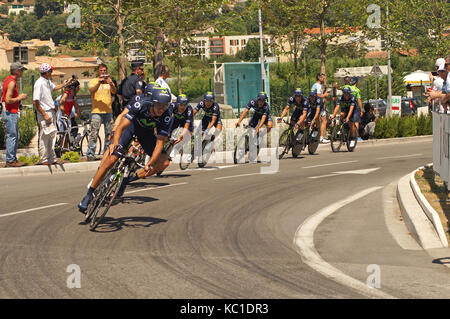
(46, 114)
(12, 101)
(161, 80)
(133, 84)
(318, 87)
(101, 88)
(368, 121)
(66, 104)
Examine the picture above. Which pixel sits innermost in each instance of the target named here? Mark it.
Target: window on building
(244, 42)
(216, 43)
(21, 55)
(237, 42)
(217, 50)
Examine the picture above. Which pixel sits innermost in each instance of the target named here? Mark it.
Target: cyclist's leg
(269, 124)
(148, 144)
(323, 123)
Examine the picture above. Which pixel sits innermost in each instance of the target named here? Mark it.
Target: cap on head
(17, 66)
(45, 67)
(182, 99)
(209, 96)
(298, 92)
(136, 64)
(442, 67)
(439, 62)
(161, 95)
(262, 96)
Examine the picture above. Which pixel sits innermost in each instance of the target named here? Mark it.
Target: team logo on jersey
(148, 123)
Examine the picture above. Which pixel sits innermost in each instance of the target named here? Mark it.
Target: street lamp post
(389, 62)
(261, 47)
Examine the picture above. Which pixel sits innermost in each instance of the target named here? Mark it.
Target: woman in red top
(67, 102)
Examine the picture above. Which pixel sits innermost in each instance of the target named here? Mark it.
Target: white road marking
(330, 164)
(357, 172)
(402, 156)
(225, 177)
(32, 209)
(215, 168)
(151, 188)
(304, 243)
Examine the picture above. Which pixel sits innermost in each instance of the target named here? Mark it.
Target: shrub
(27, 128)
(421, 123)
(391, 129)
(71, 156)
(428, 127)
(380, 127)
(32, 160)
(407, 126)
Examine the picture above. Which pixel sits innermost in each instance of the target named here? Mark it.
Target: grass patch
(29, 161)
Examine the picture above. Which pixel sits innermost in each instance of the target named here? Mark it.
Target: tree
(4, 9)
(252, 51)
(45, 7)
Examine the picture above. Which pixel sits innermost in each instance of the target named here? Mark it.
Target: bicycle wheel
(336, 140)
(207, 151)
(351, 146)
(186, 161)
(284, 143)
(84, 146)
(105, 201)
(240, 153)
(314, 142)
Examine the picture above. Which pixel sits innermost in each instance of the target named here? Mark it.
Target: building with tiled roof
(15, 6)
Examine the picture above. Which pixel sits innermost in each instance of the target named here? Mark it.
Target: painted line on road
(330, 164)
(32, 209)
(242, 175)
(215, 168)
(151, 188)
(323, 176)
(401, 156)
(304, 243)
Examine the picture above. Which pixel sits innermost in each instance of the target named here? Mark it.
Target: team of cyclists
(150, 117)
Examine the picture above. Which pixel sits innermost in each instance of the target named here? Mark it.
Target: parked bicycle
(342, 134)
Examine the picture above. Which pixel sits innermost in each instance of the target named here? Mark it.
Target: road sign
(376, 70)
(396, 103)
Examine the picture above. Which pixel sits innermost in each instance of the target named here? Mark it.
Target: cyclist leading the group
(299, 102)
(349, 110)
(261, 115)
(143, 116)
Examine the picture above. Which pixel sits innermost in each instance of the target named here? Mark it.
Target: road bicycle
(65, 142)
(242, 153)
(105, 194)
(342, 134)
(289, 140)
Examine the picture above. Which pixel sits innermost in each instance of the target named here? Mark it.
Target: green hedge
(27, 129)
(395, 126)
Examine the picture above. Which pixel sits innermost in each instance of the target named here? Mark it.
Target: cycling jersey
(299, 107)
(356, 92)
(259, 112)
(214, 110)
(313, 107)
(179, 120)
(345, 108)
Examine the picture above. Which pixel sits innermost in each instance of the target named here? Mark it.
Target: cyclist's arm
(336, 109)
(243, 115)
(317, 114)
(302, 118)
(124, 123)
(286, 109)
(261, 122)
(77, 109)
(119, 119)
(213, 121)
(350, 112)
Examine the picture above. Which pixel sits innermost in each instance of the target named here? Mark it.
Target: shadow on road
(110, 224)
(173, 175)
(442, 261)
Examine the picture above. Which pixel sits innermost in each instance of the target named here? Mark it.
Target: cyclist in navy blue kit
(349, 110)
(316, 107)
(261, 115)
(143, 117)
(182, 116)
(212, 113)
(300, 104)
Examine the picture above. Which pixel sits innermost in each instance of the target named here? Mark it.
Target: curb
(428, 209)
(417, 222)
(48, 170)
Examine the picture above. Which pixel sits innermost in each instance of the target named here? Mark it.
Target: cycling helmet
(182, 99)
(209, 96)
(313, 93)
(262, 96)
(161, 95)
(149, 87)
(354, 80)
(298, 92)
(346, 90)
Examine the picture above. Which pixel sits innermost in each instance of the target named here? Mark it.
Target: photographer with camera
(101, 89)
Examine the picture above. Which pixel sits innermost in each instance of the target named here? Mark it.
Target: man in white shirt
(318, 87)
(161, 80)
(46, 114)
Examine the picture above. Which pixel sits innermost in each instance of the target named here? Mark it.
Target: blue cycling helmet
(209, 96)
(262, 96)
(182, 99)
(313, 93)
(354, 80)
(298, 92)
(149, 87)
(346, 90)
(161, 95)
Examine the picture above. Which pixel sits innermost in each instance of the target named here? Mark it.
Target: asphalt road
(218, 233)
